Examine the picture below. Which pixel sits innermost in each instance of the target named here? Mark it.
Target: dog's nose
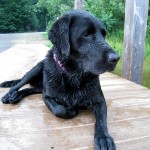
(113, 58)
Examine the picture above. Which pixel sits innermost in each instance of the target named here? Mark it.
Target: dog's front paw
(5, 98)
(14, 97)
(10, 97)
(104, 142)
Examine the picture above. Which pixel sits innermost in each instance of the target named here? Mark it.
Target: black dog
(68, 77)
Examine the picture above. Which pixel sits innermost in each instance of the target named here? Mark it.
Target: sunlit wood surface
(29, 125)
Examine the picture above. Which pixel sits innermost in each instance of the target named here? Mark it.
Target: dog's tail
(7, 84)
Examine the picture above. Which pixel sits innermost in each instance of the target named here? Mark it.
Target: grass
(45, 36)
(146, 73)
(116, 41)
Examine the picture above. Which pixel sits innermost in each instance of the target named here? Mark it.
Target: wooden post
(78, 4)
(136, 14)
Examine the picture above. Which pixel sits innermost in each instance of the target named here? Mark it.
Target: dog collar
(58, 62)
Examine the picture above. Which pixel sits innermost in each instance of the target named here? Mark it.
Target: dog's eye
(86, 33)
(103, 31)
(89, 32)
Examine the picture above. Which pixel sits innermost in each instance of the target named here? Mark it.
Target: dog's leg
(7, 84)
(102, 139)
(16, 96)
(26, 79)
(59, 110)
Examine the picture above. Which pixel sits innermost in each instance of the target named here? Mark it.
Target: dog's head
(79, 36)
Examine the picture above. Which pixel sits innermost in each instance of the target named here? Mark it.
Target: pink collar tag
(58, 62)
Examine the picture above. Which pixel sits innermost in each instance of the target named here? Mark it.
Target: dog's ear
(59, 36)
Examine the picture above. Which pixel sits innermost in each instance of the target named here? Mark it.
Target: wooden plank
(130, 92)
(30, 124)
(136, 14)
(20, 59)
(116, 105)
(26, 122)
(64, 139)
(76, 136)
(142, 143)
(18, 128)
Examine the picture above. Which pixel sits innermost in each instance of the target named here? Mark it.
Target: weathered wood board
(30, 125)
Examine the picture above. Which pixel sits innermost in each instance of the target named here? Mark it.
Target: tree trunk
(78, 4)
(136, 13)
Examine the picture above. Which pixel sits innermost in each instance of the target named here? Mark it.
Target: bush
(16, 15)
(110, 12)
(54, 9)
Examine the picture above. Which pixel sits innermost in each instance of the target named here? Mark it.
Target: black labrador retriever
(68, 77)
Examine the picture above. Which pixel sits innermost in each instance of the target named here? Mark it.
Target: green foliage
(116, 41)
(148, 26)
(48, 43)
(17, 16)
(64, 8)
(41, 13)
(146, 73)
(54, 8)
(109, 11)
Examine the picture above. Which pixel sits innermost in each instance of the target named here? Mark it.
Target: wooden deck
(29, 125)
